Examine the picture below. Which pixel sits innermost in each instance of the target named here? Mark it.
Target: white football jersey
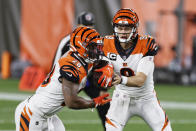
(131, 62)
(49, 98)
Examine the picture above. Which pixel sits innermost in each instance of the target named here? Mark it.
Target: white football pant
(123, 107)
(27, 120)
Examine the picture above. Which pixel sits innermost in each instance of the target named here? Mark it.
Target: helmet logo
(123, 22)
(88, 17)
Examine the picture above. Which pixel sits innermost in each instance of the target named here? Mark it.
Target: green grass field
(182, 119)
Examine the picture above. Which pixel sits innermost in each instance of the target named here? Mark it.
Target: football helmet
(125, 24)
(86, 19)
(87, 43)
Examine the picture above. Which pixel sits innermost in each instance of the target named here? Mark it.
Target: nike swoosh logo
(70, 75)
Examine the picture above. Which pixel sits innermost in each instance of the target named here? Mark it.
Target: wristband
(124, 80)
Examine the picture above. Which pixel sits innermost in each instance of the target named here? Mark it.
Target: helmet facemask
(94, 52)
(125, 32)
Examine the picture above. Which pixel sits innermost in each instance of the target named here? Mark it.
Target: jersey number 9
(127, 72)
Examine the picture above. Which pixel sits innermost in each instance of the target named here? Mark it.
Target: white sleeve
(146, 65)
(59, 49)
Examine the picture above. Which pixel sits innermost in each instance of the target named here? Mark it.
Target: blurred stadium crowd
(30, 32)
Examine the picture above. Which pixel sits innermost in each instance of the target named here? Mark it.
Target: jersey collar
(124, 54)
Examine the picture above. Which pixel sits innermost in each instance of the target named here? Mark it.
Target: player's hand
(107, 73)
(116, 79)
(101, 100)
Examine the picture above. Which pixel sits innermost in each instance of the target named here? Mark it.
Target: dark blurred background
(30, 31)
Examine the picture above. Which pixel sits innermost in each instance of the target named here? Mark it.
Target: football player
(60, 88)
(84, 19)
(132, 56)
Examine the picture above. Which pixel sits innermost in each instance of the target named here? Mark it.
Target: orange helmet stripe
(127, 14)
(73, 40)
(80, 39)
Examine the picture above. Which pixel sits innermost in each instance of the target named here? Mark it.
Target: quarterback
(132, 56)
(60, 88)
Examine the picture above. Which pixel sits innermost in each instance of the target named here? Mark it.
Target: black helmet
(86, 19)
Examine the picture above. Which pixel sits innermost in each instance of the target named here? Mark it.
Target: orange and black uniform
(90, 89)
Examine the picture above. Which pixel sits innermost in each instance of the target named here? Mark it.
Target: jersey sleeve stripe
(151, 43)
(68, 68)
(147, 42)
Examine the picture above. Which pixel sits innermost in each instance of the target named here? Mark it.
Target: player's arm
(133, 81)
(70, 86)
(72, 100)
(146, 65)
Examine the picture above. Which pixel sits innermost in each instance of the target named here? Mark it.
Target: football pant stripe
(25, 114)
(30, 111)
(21, 127)
(166, 118)
(109, 122)
(166, 122)
(25, 128)
(25, 120)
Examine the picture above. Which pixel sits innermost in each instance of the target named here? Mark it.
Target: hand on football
(101, 100)
(105, 79)
(116, 79)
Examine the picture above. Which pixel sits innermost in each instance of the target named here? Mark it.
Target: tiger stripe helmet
(87, 42)
(126, 17)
